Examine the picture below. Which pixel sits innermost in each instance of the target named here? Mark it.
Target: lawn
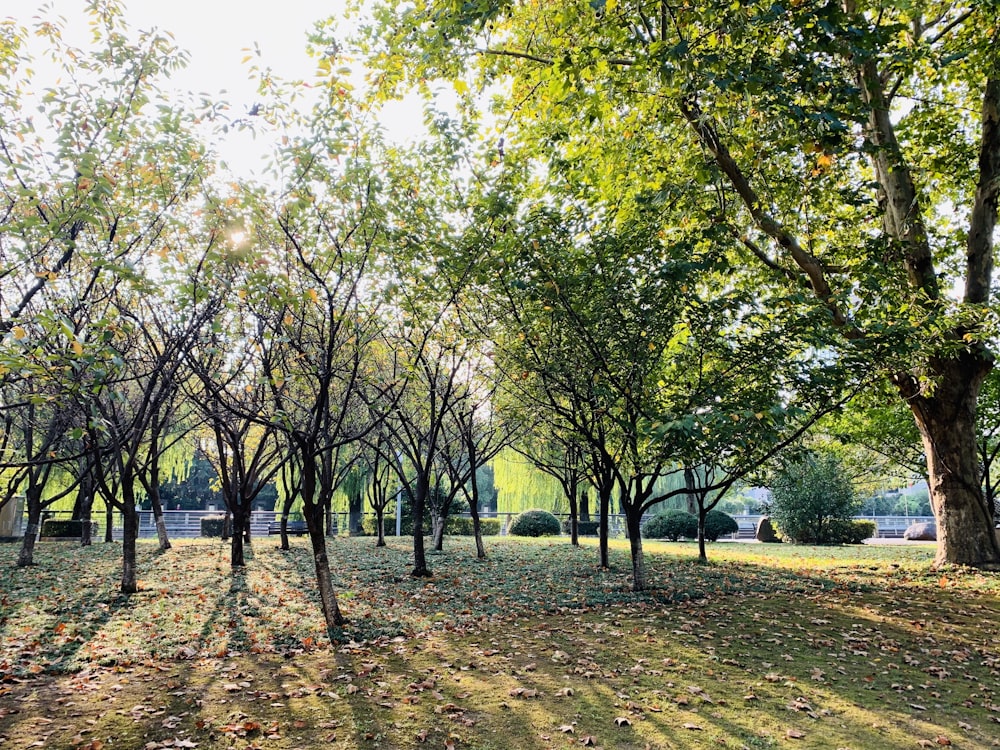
(769, 646)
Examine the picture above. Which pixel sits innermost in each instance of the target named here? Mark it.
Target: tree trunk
(633, 520)
(380, 525)
(477, 527)
(691, 496)
(130, 531)
(237, 558)
(702, 556)
(109, 521)
(286, 508)
(947, 422)
(574, 526)
(161, 524)
(439, 524)
(33, 499)
(605, 503)
(227, 525)
(85, 508)
(585, 506)
(324, 580)
(420, 569)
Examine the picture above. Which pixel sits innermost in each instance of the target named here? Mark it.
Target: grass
(769, 646)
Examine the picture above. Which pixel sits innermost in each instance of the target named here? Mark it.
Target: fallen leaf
(622, 721)
(794, 734)
(692, 727)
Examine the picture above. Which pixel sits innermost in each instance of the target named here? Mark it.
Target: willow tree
(853, 148)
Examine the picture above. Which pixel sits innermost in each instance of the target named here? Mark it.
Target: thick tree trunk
(691, 497)
(420, 569)
(947, 422)
(237, 557)
(33, 499)
(324, 580)
(633, 521)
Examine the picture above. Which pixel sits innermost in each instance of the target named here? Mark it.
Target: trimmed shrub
(66, 529)
(534, 523)
(583, 528)
(719, 524)
(671, 525)
(462, 526)
(389, 525)
(212, 525)
(852, 531)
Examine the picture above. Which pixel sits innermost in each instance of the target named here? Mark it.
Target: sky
(217, 35)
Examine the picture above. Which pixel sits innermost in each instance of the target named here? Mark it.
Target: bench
(292, 527)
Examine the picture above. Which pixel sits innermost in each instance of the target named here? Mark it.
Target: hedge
(454, 526)
(212, 525)
(66, 529)
(583, 528)
(671, 525)
(535, 522)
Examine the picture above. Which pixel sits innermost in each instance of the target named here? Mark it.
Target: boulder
(765, 531)
(921, 532)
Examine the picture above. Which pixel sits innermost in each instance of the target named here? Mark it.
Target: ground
(536, 647)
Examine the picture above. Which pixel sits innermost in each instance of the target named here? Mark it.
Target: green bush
(671, 525)
(849, 531)
(810, 494)
(66, 529)
(719, 524)
(583, 528)
(212, 525)
(534, 522)
(462, 526)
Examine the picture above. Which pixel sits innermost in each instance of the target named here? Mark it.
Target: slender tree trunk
(574, 526)
(691, 497)
(313, 513)
(439, 524)
(109, 521)
(420, 569)
(602, 531)
(237, 557)
(130, 531)
(633, 520)
(477, 526)
(33, 500)
(380, 525)
(286, 508)
(161, 524)
(85, 508)
(227, 525)
(702, 554)
(585, 506)
(947, 422)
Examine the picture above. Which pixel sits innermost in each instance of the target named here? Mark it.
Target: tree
(808, 492)
(835, 147)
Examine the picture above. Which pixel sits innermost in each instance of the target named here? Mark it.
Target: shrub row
(52, 527)
(836, 531)
(675, 524)
(455, 526)
(583, 528)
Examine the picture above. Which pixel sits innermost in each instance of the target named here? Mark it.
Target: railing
(183, 524)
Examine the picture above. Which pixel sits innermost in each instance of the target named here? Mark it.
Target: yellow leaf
(77, 348)
(461, 87)
(19, 333)
(312, 295)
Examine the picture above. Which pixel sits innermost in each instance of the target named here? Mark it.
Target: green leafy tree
(810, 492)
(833, 139)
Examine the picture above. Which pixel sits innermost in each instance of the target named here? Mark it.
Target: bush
(462, 526)
(719, 524)
(66, 529)
(212, 525)
(534, 523)
(851, 531)
(810, 494)
(671, 525)
(583, 528)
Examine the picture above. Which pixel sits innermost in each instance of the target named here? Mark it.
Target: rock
(921, 532)
(765, 531)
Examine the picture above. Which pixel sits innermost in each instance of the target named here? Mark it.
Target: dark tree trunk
(286, 508)
(84, 508)
(440, 520)
(947, 422)
(237, 556)
(633, 521)
(153, 490)
(130, 532)
(109, 521)
(700, 508)
(691, 497)
(420, 569)
(33, 500)
(313, 513)
(585, 506)
(380, 525)
(574, 526)
(477, 527)
(602, 526)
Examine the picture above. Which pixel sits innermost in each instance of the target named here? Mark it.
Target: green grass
(767, 646)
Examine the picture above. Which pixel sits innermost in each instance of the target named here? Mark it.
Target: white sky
(216, 34)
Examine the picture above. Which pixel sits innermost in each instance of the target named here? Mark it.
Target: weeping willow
(520, 486)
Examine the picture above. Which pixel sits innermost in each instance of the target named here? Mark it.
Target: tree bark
(324, 580)
(605, 507)
(420, 569)
(947, 421)
(130, 531)
(633, 521)
(33, 500)
(585, 506)
(700, 510)
(439, 524)
(380, 525)
(161, 524)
